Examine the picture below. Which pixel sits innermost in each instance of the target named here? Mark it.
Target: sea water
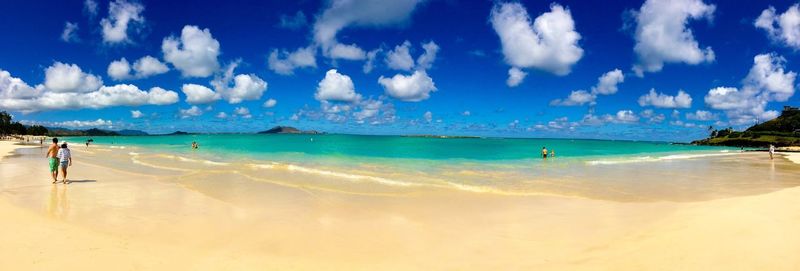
(395, 165)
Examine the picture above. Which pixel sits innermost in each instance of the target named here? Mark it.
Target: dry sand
(117, 220)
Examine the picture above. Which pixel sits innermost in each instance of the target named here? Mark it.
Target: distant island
(782, 131)
(288, 130)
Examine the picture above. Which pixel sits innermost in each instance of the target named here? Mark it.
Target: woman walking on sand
(65, 158)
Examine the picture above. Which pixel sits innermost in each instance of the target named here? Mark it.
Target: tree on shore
(9, 127)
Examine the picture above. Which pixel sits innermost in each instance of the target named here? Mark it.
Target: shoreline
(123, 220)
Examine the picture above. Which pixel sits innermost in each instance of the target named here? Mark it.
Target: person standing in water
(52, 157)
(553, 153)
(544, 153)
(195, 145)
(65, 158)
(771, 151)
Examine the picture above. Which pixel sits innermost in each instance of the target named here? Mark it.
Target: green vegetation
(9, 127)
(781, 131)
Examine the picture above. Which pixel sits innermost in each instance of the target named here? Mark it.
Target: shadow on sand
(82, 181)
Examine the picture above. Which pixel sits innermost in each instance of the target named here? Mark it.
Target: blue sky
(720, 63)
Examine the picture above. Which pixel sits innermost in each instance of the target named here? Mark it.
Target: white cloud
(549, 44)
(191, 112)
(606, 85)
(70, 32)
(340, 14)
(400, 57)
(336, 87)
(242, 111)
(90, 8)
(425, 61)
(194, 53)
(626, 116)
(61, 77)
(144, 67)
(246, 87)
(701, 115)
(284, 62)
(466, 113)
(160, 96)
(270, 103)
(83, 123)
(297, 21)
(369, 63)
(428, 116)
(136, 114)
(661, 100)
(222, 115)
(121, 13)
(119, 69)
(781, 28)
(67, 87)
(575, 98)
(197, 94)
(515, 76)
(14, 88)
(347, 52)
(413, 88)
(766, 82)
(148, 66)
(662, 34)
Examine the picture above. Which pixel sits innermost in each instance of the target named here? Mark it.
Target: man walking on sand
(52, 152)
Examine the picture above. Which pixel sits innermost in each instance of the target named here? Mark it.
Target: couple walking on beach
(59, 156)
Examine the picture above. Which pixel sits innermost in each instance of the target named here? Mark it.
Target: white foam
(347, 176)
(656, 159)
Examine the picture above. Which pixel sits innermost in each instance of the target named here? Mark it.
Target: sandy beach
(112, 218)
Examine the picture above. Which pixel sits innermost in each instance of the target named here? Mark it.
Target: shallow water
(625, 171)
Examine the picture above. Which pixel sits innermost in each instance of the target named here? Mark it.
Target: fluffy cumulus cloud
(242, 87)
(400, 57)
(550, 43)
(515, 76)
(70, 32)
(413, 88)
(122, 15)
(284, 62)
(701, 115)
(194, 53)
(428, 116)
(294, 22)
(766, 82)
(66, 86)
(425, 61)
(144, 67)
(336, 87)
(190, 112)
(782, 28)
(270, 103)
(136, 114)
(661, 100)
(242, 111)
(340, 14)
(198, 94)
(606, 85)
(91, 8)
(148, 66)
(61, 77)
(662, 34)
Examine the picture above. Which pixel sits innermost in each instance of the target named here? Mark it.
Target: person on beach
(771, 151)
(52, 154)
(194, 145)
(544, 153)
(65, 158)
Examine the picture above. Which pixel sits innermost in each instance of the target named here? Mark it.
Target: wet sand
(116, 218)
